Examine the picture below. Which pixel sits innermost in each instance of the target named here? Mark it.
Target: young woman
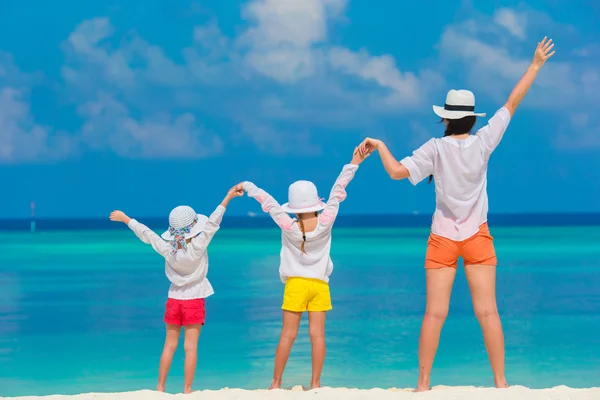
(305, 262)
(458, 165)
(184, 246)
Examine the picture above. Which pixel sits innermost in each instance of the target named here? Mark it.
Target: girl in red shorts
(184, 247)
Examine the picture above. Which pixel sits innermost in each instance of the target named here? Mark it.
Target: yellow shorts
(305, 294)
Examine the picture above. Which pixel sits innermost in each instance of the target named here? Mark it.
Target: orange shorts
(478, 249)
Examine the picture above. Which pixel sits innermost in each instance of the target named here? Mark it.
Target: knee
(438, 314)
(190, 347)
(316, 334)
(171, 346)
(486, 312)
(289, 334)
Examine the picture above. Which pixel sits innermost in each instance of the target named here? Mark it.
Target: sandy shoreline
(438, 392)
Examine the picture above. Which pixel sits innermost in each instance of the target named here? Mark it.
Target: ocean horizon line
(344, 220)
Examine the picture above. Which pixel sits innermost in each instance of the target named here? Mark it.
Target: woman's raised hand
(543, 52)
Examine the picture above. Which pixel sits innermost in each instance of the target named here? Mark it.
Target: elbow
(396, 176)
(399, 173)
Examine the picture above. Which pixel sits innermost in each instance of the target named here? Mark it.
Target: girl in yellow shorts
(305, 262)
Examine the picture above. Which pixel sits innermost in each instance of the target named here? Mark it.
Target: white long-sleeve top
(459, 167)
(316, 263)
(185, 269)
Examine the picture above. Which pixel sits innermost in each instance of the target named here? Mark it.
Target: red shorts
(476, 250)
(185, 312)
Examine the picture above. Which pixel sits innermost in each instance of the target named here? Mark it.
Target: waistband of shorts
(483, 225)
(314, 280)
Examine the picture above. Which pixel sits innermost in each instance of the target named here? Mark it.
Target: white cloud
(512, 21)
(402, 88)
(109, 124)
(86, 43)
(283, 36)
(493, 66)
(238, 78)
(22, 139)
(282, 70)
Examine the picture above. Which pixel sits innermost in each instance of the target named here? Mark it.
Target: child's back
(184, 248)
(305, 264)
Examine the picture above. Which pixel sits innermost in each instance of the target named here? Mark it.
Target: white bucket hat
(459, 104)
(184, 224)
(303, 198)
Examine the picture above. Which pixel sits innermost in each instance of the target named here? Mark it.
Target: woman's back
(459, 167)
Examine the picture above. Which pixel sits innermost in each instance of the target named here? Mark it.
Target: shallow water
(81, 311)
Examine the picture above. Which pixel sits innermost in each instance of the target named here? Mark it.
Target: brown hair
(301, 223)
(458, 127)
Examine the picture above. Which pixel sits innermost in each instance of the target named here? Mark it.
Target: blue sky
(144, 105)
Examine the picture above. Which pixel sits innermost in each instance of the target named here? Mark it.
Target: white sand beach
(437, 393)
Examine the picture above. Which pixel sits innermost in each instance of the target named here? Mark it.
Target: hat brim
(286, 207)
(448, 114)
(196, 229)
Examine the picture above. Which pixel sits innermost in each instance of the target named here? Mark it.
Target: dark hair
(458, 127)
(303, 231)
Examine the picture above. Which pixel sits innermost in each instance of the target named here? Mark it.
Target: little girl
(186, 264)
(305, 262)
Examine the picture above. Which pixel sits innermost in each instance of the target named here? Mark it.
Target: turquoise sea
(81, 310)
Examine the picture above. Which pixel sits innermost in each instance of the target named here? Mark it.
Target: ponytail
(303, 235)
(301, 223)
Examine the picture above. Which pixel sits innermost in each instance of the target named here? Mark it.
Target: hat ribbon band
(450, 107)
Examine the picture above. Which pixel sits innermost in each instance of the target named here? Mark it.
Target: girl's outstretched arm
(145, 234)
(200, 243)
(338, 191)
(270, 205)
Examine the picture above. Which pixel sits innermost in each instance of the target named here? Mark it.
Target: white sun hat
(184, 224)
(303, 198)
(459, 104)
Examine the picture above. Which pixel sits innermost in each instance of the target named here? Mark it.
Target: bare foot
(160, 387)
(187, 390)
(275, 384)
(315, 385)
(423, 384)
(501, 383)
(422, 388)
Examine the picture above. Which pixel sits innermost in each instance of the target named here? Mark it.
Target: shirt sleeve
(337, 194)
(270, 205)
(420, 164)
(200, 242)
(148, 236)
(492, 133)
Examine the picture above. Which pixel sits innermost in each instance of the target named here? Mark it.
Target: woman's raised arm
(542, 53)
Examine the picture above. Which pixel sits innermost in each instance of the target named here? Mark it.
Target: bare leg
(166, 358)
(316, 330)
(190, 345)
(289, 331)
(439, 288)
(482, 282)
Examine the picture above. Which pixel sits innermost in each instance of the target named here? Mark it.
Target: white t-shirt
(459, 167)
(316, 263)
(186, 269)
